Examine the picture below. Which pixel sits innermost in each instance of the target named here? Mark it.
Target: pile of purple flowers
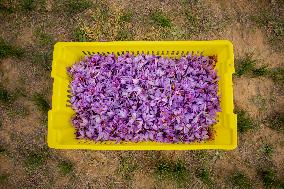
(144, 98)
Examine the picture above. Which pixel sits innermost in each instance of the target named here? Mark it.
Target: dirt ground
(30, 28)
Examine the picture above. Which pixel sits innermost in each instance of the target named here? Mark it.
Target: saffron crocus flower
(144, 98)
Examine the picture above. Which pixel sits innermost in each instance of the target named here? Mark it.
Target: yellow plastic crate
(61, 132)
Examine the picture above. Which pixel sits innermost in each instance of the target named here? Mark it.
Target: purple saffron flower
(144, 98)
